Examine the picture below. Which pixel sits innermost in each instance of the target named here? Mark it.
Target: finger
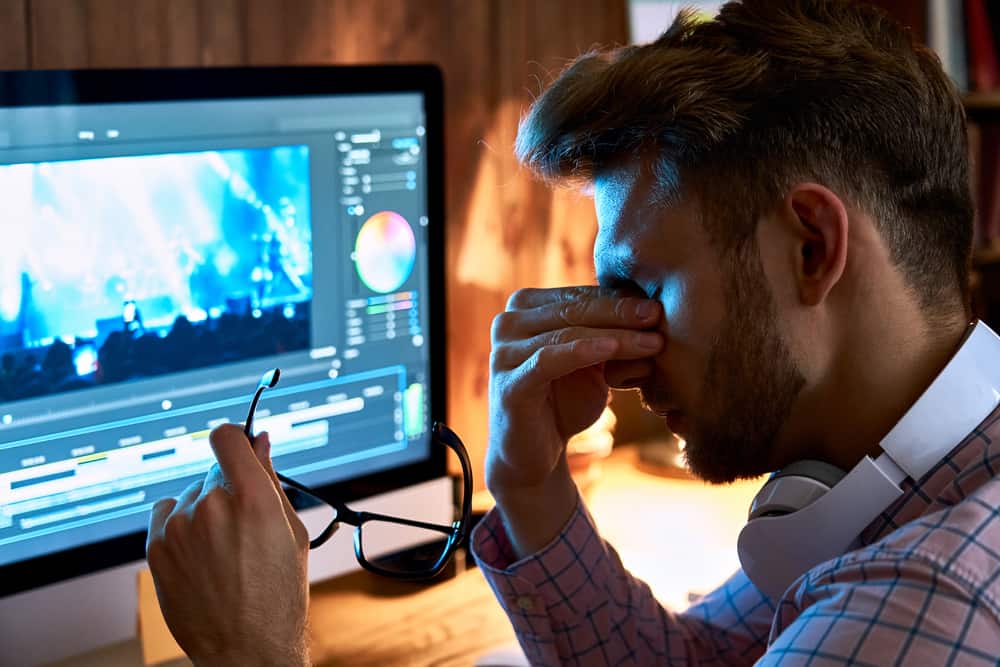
(215, 479)
(189, 496)
(262, 448)
(602, 312)
(531, 297)
(630, 344)
(239, 465)
(627, 374)
(555, 361)
(158, 519)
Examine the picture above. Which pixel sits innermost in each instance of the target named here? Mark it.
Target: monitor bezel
(81, 87)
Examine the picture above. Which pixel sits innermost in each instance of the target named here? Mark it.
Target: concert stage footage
(128, 267)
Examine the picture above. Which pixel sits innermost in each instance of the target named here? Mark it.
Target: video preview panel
(123, 268)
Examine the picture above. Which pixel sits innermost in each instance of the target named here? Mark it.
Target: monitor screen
(160, 253)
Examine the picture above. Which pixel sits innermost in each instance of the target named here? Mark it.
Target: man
(784, 238)
(783, 251)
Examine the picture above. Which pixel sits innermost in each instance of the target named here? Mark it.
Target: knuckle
(516, 299)
(539, 358)
(502, 325)
(569, 312)
(213, 475)
(567, 335)
(521, 298)
(573, 346)
(176, 529)
(499, 359)
(192, 488)
(163, 504)
(559, 337)
(208, 508)
(223, 431)
(621, 308)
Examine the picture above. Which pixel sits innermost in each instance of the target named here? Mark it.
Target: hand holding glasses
(438, 542)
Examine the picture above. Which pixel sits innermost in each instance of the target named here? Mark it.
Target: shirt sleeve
(893, 609)
(574, 603)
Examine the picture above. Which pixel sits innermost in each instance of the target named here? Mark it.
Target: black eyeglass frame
(454, 533)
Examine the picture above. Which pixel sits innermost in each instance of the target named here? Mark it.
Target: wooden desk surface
(362, 622)
(678, 535)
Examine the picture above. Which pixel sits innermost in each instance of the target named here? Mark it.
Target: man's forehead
(623, 202)
(614, 189)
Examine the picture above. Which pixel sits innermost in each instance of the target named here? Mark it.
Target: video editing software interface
(157, 258)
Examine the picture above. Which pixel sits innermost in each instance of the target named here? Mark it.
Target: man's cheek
(672, 293)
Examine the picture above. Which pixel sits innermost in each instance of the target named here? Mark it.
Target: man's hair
(736, 110)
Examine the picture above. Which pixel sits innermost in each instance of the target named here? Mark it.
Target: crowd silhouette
(127, 355)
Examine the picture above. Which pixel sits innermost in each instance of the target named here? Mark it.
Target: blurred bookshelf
(966, 36)
(978, 104)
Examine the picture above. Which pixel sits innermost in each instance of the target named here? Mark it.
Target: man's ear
(820, 227)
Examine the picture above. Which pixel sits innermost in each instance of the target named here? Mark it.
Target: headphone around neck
(811, 511)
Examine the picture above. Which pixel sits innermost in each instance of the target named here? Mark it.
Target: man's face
(725, 381)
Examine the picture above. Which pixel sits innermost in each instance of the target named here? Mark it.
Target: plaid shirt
(923, 589)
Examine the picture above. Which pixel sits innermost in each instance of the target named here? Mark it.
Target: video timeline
(121, 466)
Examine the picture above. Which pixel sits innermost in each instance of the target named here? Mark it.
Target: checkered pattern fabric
(923, 589)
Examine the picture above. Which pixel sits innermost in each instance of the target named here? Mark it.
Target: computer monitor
(166, 236)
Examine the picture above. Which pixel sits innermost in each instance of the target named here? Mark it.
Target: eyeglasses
(375, 533)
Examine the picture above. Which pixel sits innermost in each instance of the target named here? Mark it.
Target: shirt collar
(963, 394)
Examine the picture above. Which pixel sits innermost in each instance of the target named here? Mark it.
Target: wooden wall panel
(504, 230)
(285, 33)
(222, 34)
(13, 34)
(58, 34)
(111, 33)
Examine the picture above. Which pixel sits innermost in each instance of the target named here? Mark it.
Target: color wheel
(385, 251)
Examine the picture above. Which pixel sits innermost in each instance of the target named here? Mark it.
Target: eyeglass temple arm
(344, 513)
(371, 516)
(248, 424)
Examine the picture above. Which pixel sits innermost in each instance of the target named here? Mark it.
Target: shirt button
(525, 603)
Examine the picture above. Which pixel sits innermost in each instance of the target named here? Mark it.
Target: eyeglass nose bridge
(455, 532)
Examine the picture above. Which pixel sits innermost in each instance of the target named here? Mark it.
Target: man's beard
(751, 383)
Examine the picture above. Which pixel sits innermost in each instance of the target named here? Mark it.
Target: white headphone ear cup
(775, 550)
(794, 487)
